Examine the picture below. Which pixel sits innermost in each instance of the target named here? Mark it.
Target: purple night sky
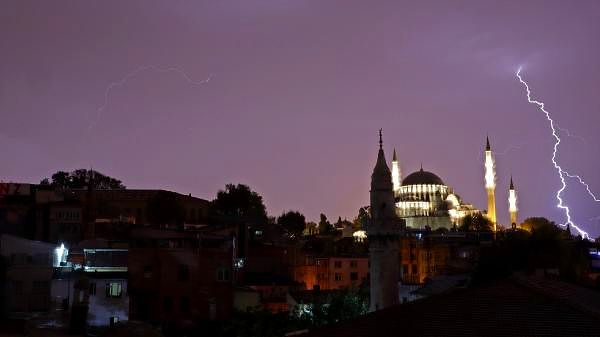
(297, 92)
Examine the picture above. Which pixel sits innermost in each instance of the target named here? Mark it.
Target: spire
(487, 144)
(421, 166)
(381, 172)
(512, 186)
(394, 158)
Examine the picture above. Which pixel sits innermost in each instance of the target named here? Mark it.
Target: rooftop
(513, 307)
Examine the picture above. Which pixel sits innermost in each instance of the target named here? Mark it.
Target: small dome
(422, 178)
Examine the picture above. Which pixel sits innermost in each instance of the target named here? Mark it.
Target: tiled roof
(515, 307)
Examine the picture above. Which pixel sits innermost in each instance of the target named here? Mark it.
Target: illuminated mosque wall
(424, 200)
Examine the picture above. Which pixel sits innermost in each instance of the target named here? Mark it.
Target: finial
(380, 139)
(487, 143)
(421, 166)
(394, 158)
(512, 186)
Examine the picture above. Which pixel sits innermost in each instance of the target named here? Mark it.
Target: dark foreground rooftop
(518, 306)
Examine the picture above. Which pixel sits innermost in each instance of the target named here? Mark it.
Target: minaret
(396, 175)
(383, 233)
(512, 203)
(490, 183)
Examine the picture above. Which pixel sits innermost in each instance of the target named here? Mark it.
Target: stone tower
(512, 203)
(490, 183)
(383, 233)
(396, 174)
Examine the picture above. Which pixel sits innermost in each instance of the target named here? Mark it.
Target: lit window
(338, 276)
(114, 289)
(353, 264)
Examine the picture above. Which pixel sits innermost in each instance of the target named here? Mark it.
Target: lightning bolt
(559, 169)
(134, 73)
(582, 182)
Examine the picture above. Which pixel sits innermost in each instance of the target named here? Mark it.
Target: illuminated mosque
(424, 201)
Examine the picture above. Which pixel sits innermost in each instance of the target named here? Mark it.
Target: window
(168, 304)
(212, 310)
(223, 274)
(353, 264)
(353, 276)
(321, 276)
(405, 269)
(414, 268)
(337, 264)
(41, 287)
(114, 289)
(184, 272)
(185, 304)
(92, 288)
(147, 271)
(338, 276)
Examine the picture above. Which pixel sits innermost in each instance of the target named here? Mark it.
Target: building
(18, 212)
(519, 306)
(422, 257)
(332, 272)
(383, 232)
(179, 279)
(490, 183)
(425, 201)
(28, 275)
(65, 222)
(134, 204)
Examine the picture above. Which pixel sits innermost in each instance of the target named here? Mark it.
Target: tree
(325, 226)
(80, 179)
(165, 208)
(476, 222)
(541, 228)
(293, 222)
(238, 203)
(344, 304)
(362, 219)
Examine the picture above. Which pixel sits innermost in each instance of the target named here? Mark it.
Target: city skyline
(287, 97)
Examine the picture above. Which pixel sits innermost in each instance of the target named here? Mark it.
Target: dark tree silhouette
(325, 226)
(238, 203)
(293, 221)
(477, 223)
(79, 179)
(362, 219)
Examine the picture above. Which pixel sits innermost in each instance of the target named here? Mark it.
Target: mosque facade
(424, 201)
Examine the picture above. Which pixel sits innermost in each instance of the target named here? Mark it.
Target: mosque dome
(422, 178)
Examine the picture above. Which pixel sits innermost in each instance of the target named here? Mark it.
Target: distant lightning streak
(503, 153)
(561, 172)
(572, 135)
(134, 73)
(582, 182)
(509, 149)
